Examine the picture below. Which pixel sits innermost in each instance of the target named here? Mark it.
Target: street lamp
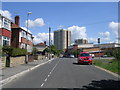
(26, 60)
(49, 42)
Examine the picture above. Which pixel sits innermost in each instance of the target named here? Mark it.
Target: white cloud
(105, 36)
(6, 14)
(41, 37)
(114, 27)
(77, 32)
(36, 23)
(92, 40)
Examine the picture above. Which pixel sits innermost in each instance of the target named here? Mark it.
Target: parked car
(85, 58)
(71, 56)
(92, 55)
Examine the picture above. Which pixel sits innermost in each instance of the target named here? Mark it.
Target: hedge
(18, 52)
(14, 51)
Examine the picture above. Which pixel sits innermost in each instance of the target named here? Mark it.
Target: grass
(111, 65)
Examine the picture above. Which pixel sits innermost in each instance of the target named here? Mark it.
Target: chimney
(17, 20)
(45, 42)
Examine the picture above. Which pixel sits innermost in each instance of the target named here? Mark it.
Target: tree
(35, 50)
(116, 53)
(7, 50)
(52, 50)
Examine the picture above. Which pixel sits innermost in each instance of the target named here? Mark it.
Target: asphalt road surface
(65, 73)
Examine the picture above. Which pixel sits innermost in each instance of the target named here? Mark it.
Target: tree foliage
(35, 50)
(53, 50)
(116, 53)
(14, 51)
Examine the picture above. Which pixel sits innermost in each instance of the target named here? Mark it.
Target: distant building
(62, 39)
(108, 45)
(20, 37)
(5, 31)
(81, 41)
(40, 46)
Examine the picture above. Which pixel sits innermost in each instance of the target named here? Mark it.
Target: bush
(7, 50)
(18, 52)
(116, 53)
(14, 51)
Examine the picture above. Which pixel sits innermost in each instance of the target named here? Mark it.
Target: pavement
(65, 73)
(8, 74)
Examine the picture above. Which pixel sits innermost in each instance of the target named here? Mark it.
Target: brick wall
(6, 33)
(14, 61)
(2, 62)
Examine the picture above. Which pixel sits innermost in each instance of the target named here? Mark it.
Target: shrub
(116, 53)
(18, 52)
(7, 50)
(14, 51)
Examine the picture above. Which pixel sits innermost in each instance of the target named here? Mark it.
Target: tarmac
(9, 73)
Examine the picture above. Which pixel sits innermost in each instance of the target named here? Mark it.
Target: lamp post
(26, 59)
(49, 42)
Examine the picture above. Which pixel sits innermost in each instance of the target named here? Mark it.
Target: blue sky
(95, 17)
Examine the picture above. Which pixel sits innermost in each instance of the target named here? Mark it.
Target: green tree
(35, 50)
(52, 50)
(7, 50)
(116, 53)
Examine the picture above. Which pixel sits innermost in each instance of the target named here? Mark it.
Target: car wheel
(90, 63)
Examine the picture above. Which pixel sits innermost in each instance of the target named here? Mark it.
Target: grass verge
(111, 65)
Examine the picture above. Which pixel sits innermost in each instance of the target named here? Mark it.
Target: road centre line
(49, 74)
(45, 80)
(42, 84)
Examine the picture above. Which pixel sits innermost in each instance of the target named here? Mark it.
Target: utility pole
(49, 41)
(99, 46)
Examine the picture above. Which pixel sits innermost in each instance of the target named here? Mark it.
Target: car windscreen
(85, 54)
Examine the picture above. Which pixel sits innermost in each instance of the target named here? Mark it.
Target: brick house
(20, 36)
(5, 31)
(41, 46)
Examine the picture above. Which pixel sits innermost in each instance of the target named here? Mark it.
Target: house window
(6, 24)
(29, 37)
(6, 41)
(22, 45)
(24, 34)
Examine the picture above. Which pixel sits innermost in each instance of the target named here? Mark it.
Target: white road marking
(49, 74)
(42, 84)
(45, 80)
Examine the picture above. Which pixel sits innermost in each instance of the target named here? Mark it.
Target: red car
(85, 58)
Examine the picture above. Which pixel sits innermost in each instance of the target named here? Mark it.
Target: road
(65, 73)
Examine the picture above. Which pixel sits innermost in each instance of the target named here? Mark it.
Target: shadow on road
(103, 84)
(79, 64)
(76, 63)
(94, 85)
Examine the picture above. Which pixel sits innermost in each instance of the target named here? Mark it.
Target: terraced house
(21, 37)
(5, 31)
